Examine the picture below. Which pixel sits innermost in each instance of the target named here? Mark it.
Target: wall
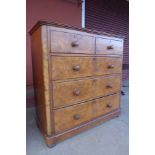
(63, 11)
(111, 16)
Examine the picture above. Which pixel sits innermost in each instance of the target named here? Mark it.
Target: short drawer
(107, 85)
(109, 46)
(74, 91)
(107, 65)
(64, 42)
(74, 67)
(72, 116)
(71, 67)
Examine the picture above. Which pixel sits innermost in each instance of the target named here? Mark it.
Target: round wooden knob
(76, 67)
(109, 105)
(110, 66)
(76, 92)
(76, 117)
(109, 86)
(110, 47)
(75, 43)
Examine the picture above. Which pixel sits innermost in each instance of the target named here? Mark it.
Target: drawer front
(108, 46)
(107, 85)
(74, 67)
(63, 42)
(71, 67)
(71, 92)
(108, 65)
(72, 116)
(67, 93)
(105, 105)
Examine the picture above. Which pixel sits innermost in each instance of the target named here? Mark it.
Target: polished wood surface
(107, 85)
(77, 79)
(71, 43)
(108, 46)
(54, 139)
(107, 65)
(64, 67)
(41, 79)
(74, 91)
(69, 117)
(78, 90)
(73, 67)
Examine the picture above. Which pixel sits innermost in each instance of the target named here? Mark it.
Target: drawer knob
(75, 43)
(110, 47)
(76, 117)
(76, 67)
(110, 66)
(109, 86)
(109, 105)
(76, 92)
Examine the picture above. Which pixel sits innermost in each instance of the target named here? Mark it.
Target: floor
(110, 138)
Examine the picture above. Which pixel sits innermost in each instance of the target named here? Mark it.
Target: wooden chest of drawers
(77, 79)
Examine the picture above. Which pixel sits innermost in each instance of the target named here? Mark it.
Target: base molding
(51, 141)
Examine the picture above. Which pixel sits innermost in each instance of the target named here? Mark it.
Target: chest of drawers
(77, 79)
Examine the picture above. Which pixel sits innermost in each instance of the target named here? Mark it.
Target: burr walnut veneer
(77, 79)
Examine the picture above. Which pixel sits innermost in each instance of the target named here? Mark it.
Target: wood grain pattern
(71, 43)
(38, 78)
(86, 55)
(65, 117)
(54, 139)
(69, 89)
(102, 65)
(108, 46)
(78, 90)
(77, 79)
(106, 85)
(63, 67)
(41, 79)
(45, 56)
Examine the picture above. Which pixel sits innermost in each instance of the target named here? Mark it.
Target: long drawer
(74, 91)
(76, 66)
(72, 116)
